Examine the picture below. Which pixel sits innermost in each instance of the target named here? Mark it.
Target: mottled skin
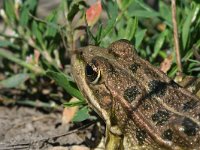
(142, 107)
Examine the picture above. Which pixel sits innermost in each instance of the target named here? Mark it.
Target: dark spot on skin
(160, 117)
(157, 88)
(131, 93)
(146, 106)
(167, 134)
(151, 73)
(190, 127)
(189, 105)
(141, 135)
(134, 67)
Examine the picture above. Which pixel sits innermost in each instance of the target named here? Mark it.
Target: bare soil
(29, 128)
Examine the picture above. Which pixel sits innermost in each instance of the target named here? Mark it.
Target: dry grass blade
(175, 30)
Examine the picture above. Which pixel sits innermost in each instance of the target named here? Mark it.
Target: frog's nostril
(92, 73)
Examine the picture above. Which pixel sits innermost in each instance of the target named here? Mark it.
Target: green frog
(142, 107)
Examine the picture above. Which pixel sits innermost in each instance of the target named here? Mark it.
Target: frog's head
(99, 76)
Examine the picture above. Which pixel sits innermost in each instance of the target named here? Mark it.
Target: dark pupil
(91, 74)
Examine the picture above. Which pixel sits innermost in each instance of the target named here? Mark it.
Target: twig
(16, 147)
(176, 41)
(68, 133)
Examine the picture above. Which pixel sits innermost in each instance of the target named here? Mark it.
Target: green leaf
(197, 69)
(112, 21)
(143, 13)
(51, 31)
(92, 37)
(144, 6)
(24, 17)
(52, 27)
(65, 82)
(8, 44)
(131, 28)
(162, 54)
(14, 81)
(97, 39)
(36, 32)
(81, 115)
(173, 71)
(113, 9)
(139, 36)
(5, 43)
(194, 61)
(72, 104)
(159, 42)
(74, 8)
(125, 4)
(186, 28)
(165, 13)
(188, 55)
(31, 5)
(9, 10)
(109, 27)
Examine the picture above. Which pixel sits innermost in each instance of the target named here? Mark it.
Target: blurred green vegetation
(39, 48)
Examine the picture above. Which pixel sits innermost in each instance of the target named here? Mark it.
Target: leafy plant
(38, 47)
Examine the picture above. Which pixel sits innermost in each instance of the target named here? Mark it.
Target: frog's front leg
(113, 141)
(114, 136)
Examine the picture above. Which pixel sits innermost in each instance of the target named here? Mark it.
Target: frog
(142, 107)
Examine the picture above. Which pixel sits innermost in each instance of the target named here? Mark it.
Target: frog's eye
(92, 73)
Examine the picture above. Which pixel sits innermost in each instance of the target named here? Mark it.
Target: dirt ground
(29, 128)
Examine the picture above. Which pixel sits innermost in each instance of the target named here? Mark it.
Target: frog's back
(157, 109)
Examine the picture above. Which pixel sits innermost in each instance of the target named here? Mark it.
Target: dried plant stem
(176, 41)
